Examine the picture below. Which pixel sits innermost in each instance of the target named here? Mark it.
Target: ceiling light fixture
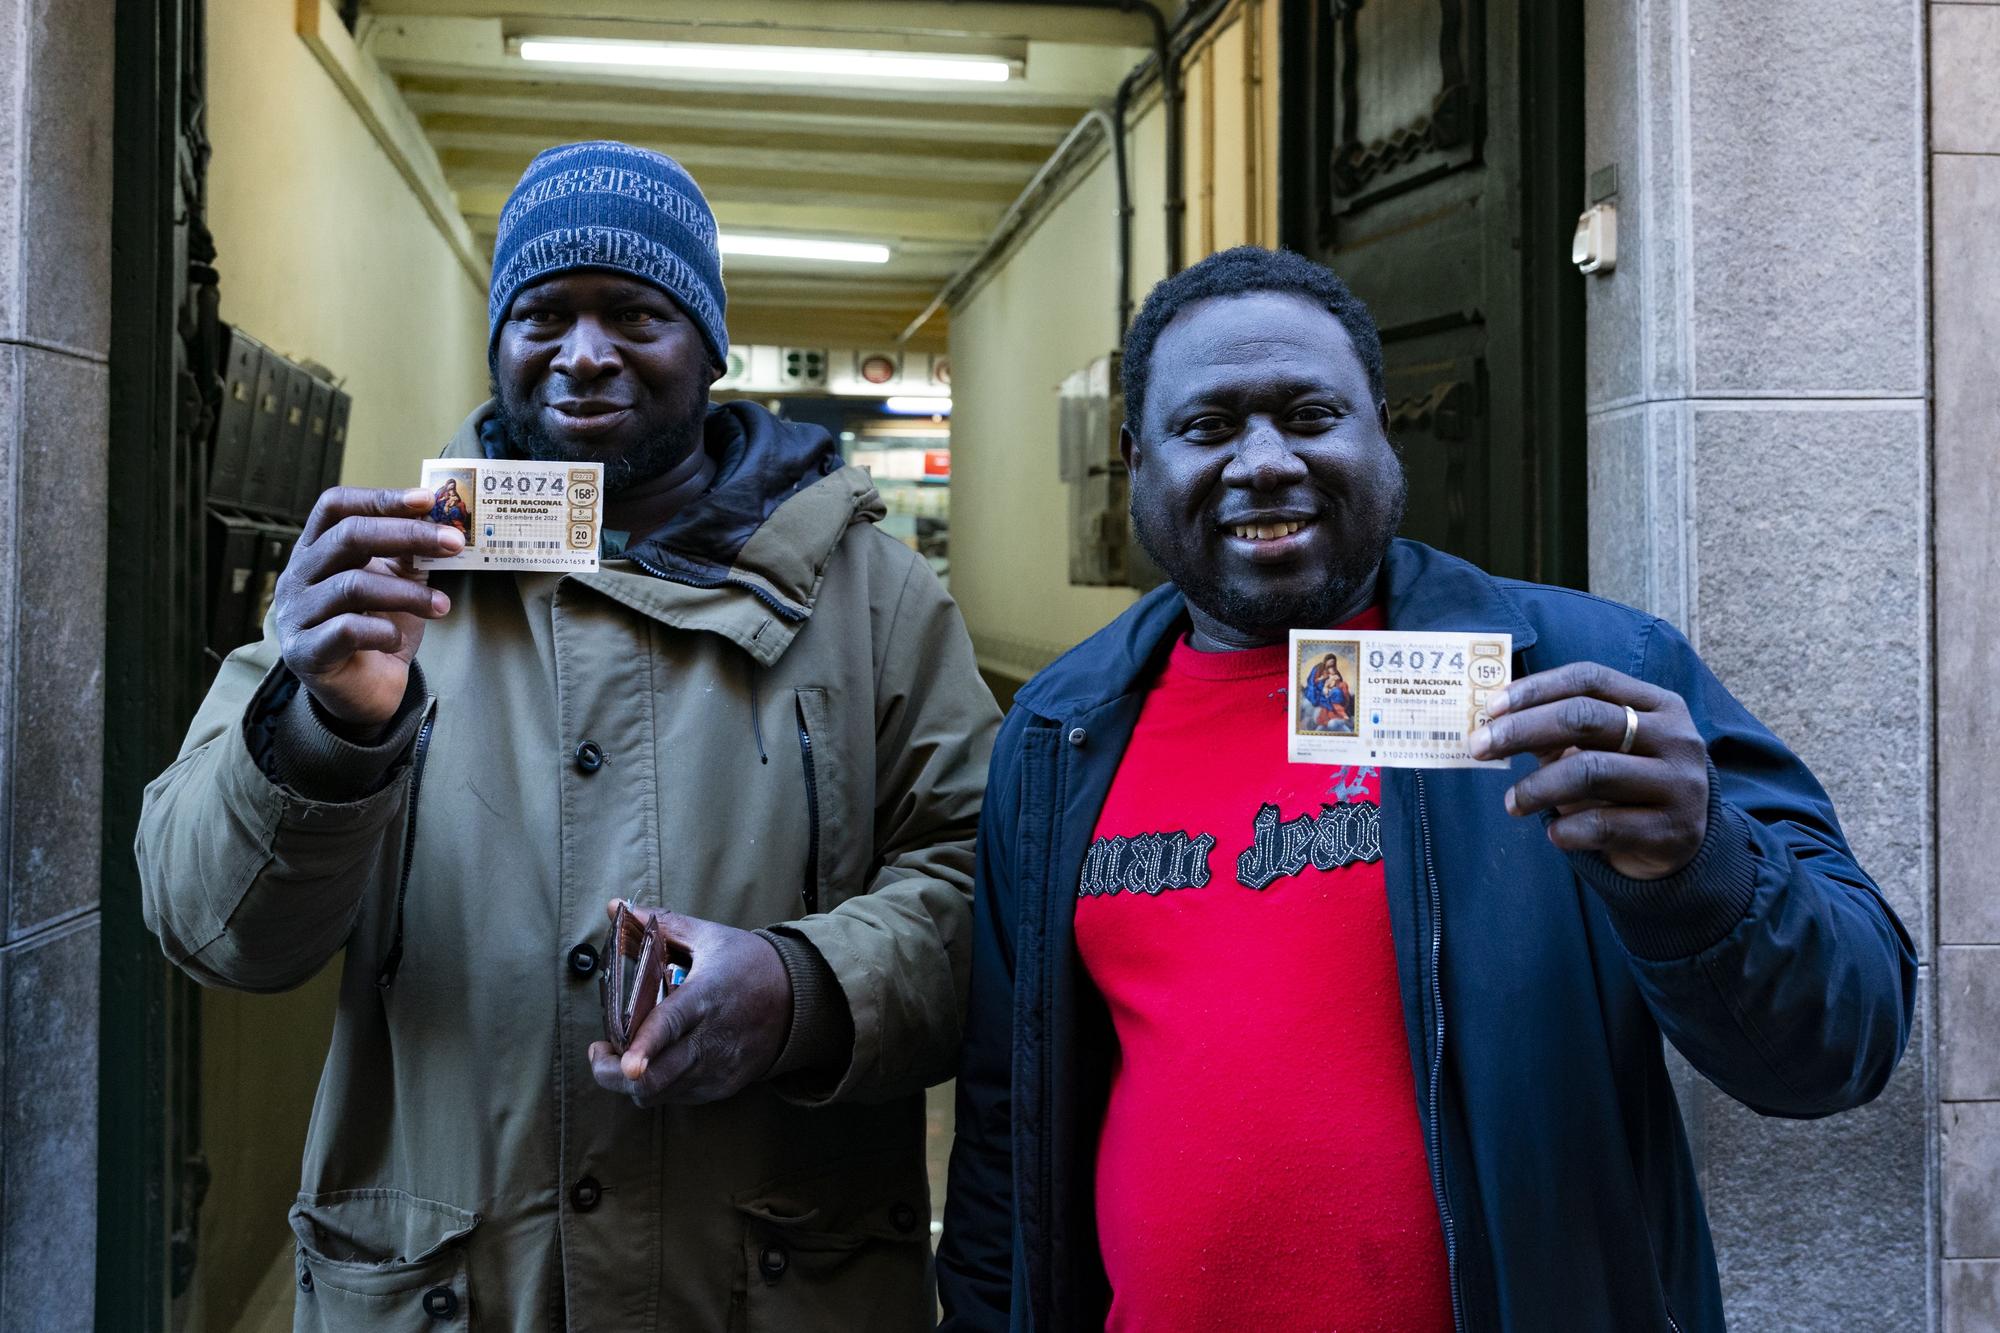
(800, 247)
(780, 61)
(912, 405)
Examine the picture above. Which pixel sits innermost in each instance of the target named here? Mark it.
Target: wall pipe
(1176, 191)
(1016, 214)
(1169, 42)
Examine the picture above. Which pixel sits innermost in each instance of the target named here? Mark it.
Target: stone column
(1965, 287)
(55, 269)
(1758, 408)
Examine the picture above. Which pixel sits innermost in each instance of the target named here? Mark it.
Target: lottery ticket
(1392, 698)
(517, 516)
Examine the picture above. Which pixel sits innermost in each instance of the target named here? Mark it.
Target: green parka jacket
(791, 730)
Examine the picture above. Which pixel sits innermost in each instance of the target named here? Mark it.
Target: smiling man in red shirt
(1268, 1045)
(1260, 1153)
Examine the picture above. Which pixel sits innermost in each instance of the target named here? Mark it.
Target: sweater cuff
(307, 755)
(1688, 912)
(821, 1039)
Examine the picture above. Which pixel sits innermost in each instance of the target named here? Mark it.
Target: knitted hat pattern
(608, 205)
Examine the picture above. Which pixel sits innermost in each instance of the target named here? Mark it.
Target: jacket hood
(780, 502)
(1421, 589)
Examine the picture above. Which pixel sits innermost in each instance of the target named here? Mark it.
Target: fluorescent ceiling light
(799, 247)
(782, 61)
(916, 406)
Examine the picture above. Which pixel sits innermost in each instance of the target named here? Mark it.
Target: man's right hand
(351, 604)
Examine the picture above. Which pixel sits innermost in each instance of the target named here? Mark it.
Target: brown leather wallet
(642, 963)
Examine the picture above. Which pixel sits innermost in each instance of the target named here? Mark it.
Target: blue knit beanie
(608, 205)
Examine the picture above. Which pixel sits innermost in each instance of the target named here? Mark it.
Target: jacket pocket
(380, 1259)
(842, 1249)
(824, 786)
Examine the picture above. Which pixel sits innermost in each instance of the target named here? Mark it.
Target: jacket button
(583, 960)
(585, 1194)
(588, 757)
(903, 1217)
(440, 1302)
(305, 1279)
(1076, 736)
(772, 1261)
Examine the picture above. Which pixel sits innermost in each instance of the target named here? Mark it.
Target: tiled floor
(937, 1144)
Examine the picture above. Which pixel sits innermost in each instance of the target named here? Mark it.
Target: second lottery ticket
(1392, 698)
(517, 516)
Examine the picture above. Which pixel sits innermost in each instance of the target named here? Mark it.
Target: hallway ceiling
(927, 169)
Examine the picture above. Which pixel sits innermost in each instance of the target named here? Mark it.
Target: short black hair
(1235, 272)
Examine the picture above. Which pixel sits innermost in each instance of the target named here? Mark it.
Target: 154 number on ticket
(1392, 698)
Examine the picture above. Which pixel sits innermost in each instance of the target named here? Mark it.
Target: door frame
(149, 1173)
(1553, 182)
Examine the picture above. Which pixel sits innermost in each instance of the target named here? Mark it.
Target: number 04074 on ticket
(1392, 698)
(517, 516)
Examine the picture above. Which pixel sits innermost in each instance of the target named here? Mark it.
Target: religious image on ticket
(1325, 687)
(517, 516)
(452, 492)
(1393, 698)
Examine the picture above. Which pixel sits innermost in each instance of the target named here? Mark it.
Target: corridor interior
(924, 252)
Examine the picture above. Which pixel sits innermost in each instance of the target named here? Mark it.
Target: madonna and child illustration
(1328, 705)
(452, 505)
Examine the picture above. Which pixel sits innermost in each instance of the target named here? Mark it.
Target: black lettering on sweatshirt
(1339, 835)
(1147, 863)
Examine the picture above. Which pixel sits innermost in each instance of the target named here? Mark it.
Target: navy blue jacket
(1536, 986)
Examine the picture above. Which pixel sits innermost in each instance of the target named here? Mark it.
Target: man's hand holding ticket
(1623, 770)
(352, 602)
(351, 605)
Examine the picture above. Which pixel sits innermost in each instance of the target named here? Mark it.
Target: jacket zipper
(812, 812)
(1437, 1069)
(1046, 1182)
(788, 612)
(394, 961)
(1437, 1061)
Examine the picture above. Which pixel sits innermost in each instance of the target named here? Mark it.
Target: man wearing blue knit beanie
(758, 727)
(606, 218)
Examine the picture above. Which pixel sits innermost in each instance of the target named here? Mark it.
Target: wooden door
(1432, 157)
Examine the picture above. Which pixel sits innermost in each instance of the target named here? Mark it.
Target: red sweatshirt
(1261, 1163)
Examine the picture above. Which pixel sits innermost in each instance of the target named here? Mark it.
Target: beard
(653, 454)
(1267, 608)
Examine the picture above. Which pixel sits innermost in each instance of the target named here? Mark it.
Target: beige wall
(1051, 308)
(260, 1062)
(324, 251)
(325, 254)
(1048, 311)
